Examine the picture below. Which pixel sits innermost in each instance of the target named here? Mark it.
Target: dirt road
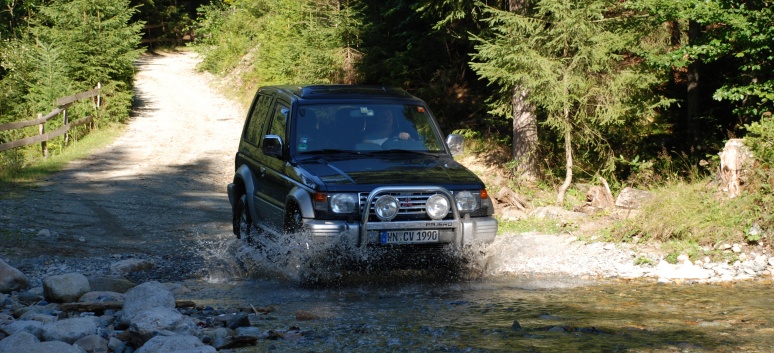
(156, 190)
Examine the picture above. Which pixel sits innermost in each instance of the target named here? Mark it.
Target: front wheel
(242, 222)
(293, 220)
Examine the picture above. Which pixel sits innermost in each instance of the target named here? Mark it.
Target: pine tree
(570, 57)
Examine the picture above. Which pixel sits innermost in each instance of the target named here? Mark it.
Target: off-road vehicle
(356, 167)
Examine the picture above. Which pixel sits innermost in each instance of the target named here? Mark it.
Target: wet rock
(65, 288)
(69, 330)
(29, 326)
(236, 342)
(5, 319)
(116, 345)
(127, 266)
(17, 342)
(179, 343)
(238, 320)
(516, 326)
(111, 284)
(102, 297)
(250, 331)
(92, 344)
(146, 296)
(50, 347)
(11, 279)
(150, 322)
(42, 316)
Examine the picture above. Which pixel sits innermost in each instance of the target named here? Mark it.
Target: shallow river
(417, 313)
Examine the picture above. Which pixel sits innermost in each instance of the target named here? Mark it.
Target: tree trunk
(693, 104)
(568, 159)
(525, 138)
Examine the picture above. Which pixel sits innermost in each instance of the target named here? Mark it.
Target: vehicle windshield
(366, 127)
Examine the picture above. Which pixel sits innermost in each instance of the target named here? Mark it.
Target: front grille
(412, 205)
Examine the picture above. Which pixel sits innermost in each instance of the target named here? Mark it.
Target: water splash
(299, 258)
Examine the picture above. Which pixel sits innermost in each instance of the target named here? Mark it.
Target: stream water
(419, 312)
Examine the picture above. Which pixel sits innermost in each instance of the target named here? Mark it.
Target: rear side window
(258, 117)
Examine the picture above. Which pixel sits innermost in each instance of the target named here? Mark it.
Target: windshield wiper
(398, 150)
(330, 151)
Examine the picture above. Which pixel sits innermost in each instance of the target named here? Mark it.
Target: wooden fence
(43, 136)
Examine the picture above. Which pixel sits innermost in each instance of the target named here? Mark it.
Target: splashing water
(299, 258)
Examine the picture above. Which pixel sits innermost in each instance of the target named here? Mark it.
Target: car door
(249, 153)
(273, 185)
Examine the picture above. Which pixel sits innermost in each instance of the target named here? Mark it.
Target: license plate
(409, 236)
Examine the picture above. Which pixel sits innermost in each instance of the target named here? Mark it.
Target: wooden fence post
(99, 102)
(64, 123)
(42, 130)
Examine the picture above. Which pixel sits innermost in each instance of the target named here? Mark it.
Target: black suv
(358, 166)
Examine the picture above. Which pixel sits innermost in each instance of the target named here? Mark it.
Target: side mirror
(272, 146)
(456, 144)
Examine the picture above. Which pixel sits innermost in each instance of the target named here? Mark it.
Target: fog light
(386, 207)
(437, 206)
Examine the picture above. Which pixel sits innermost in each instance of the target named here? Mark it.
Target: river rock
(175, 344)
(11, 279)
(127, 266)
(102, 297)
(51, 347)
(66, 288)
(69, 330)
(30, 326)
(17, 342)
(116, 284)
(146, 296)
(44, 317)
(116, 345)
(687, 270)
(92, 344)
(149, 323)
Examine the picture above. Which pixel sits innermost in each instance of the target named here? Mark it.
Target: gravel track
(158, 191)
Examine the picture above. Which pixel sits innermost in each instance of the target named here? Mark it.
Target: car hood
(402, 169)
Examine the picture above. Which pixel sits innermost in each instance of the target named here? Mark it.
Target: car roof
(334, 92)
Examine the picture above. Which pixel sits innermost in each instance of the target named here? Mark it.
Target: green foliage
(289, 41)
(96, 38)
(571, 58)
(64, 47)
(760, 139)
(733, 46)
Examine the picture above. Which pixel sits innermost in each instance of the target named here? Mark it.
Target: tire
(293, 220)
(242, 222)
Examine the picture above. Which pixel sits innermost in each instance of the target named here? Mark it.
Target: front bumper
(463, 232)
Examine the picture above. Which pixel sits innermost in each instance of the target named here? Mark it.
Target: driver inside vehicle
(384, 129)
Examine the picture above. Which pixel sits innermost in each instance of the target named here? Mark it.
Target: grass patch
(532, 224)
(693, 219)
(14, 180)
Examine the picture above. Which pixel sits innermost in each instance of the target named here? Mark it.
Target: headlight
(466, 201)
(386, 207)
(343, 203)
(437, 206)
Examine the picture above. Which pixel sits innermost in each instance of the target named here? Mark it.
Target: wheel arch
(244, 183)
(301, 198)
